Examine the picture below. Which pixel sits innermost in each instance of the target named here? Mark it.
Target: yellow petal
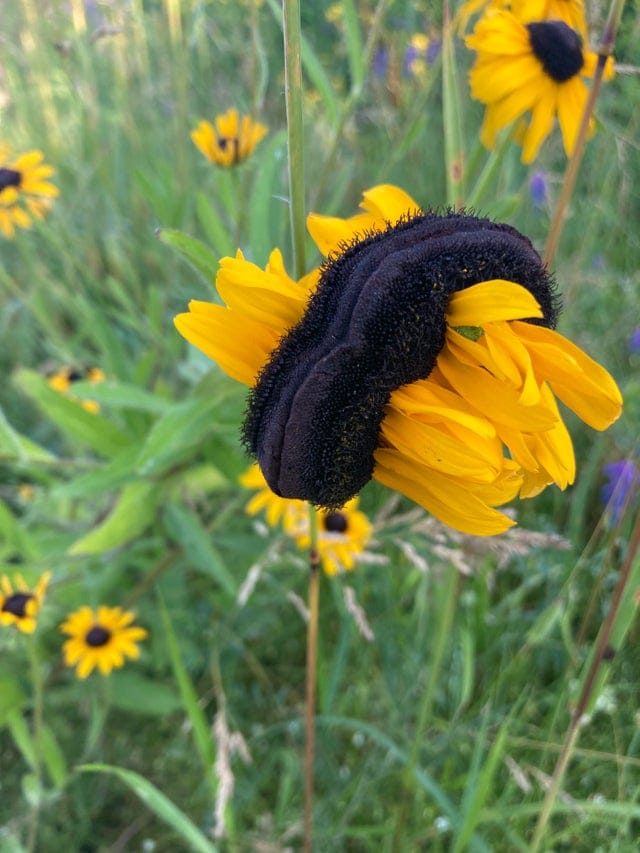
(388, 203)
(444, 497)
(435, 448)
(330, 233)
(240, 346)
(491, 301)
(580, 382)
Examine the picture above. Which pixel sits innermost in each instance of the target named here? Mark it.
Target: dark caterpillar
(375, 322)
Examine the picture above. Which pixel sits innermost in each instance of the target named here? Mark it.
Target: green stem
(38, 705)
(586, 695)
(295, 137)
(452, 118)
(605, 51)
(312, 666)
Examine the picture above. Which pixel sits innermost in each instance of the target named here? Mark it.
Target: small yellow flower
(102, 639)
(232, 140)
(19, 605)
(343, 534)
(530, 70)
(63, 379)
(25, 192)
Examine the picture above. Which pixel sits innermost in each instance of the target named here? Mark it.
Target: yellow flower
(482, 428)
(102, 639)
(533, 70)
(63, 379)
(231, 140)
(25, 192)
(19, 605)
(343, 534)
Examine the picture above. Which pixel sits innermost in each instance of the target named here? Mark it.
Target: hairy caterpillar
(375, 322)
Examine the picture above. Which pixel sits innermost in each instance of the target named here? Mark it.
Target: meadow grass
(440, 730)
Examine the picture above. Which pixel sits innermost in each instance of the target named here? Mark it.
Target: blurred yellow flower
(25, 192)
(64, 378)
(19, 605)
(101, 638)
(232, 140)
(343, 534)
(532, 70)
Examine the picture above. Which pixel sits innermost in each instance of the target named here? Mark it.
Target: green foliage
(442, 731)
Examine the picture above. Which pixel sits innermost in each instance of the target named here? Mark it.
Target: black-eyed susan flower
(231, 140)
(479, 426)
(531, 70)
(100, 639)
(25, 191)
(63, 379)
(343, 534)
(19, 603)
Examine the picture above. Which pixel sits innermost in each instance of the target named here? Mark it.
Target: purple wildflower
(538, 186)
(634, 340)
(621, 488)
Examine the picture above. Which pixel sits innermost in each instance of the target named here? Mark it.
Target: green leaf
(175, 436)
(132, 514)
(120, 395)
(199, 723)
(53, 757)
(158, 803)
(134, 693)
(106, 478)
(265, 188)
(18, 448)
(69, 416)
(193, 251)
(21, 735)
(213, 226)
(185, 528)
(12, 698)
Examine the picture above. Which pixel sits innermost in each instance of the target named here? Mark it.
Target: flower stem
(312, 662)
(295, 138)
(606, 48)
(588, 688)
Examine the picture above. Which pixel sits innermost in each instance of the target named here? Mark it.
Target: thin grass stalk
(312, 666)
(295, 130)
(587, 693)
(604, 52)
(452, 119)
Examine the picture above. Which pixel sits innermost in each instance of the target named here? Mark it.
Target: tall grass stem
(312, 666)
(295, 130)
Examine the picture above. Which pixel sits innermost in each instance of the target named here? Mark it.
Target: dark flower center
(9, 178)
(336, 522)
(97, 636)
(74, 375)
(230, 141)
(16, 604)
(558, 47)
